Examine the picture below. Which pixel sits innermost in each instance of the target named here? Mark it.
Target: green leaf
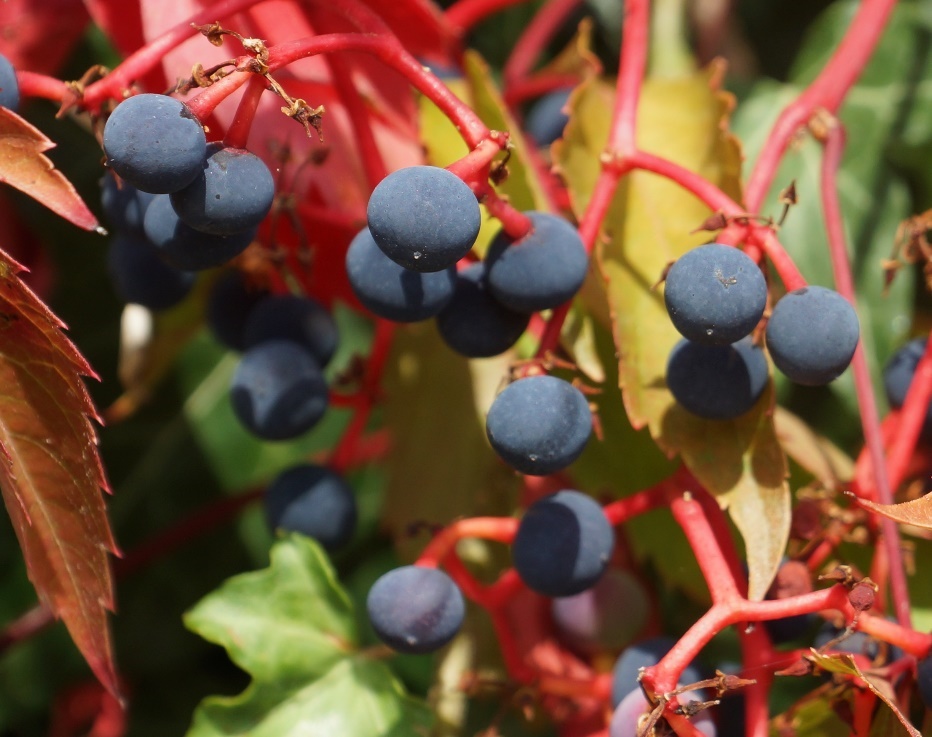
(291, 627)
(649, 224)
(814, 717)
(886, 117)
(441, 465)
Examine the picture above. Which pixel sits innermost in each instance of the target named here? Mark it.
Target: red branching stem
(142, 62)
(713, 197)
(716, 570)
(870, 422)
(864, 703)
(759, 660)
(904, 637)
(766, 240)
(31, 623)
(507, 585)
(464, 14)
(516, 224)
(345, 450)
(499, 529)
(514, 663)
(622, 510)
(911, 417)
(32, 84)
(602, 194)
(534, 39)
(540, 84)
(237, 136)
(827, 91)
(551, 336)
(634, 42)
(663, 677)
(192, 527)
(473, 168)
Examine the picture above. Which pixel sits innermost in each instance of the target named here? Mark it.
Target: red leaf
(917, 512)
(24, 166)
(50, 471)
(28, 27)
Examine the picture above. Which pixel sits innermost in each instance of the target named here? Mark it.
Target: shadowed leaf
(50, 471)
(841, 663)
(917, 512)
(649, 225)
(291, 627)
(24, 166)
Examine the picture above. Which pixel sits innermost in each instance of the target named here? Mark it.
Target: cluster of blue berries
(422, 220)
(715, 296)
(181, 204)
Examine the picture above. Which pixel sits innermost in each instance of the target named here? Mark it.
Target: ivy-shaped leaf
(291, 627)
(50, 471)
(649, 225)
(24, 165)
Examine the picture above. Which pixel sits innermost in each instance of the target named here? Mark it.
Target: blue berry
(644, 654)
(392, 291)
(278, 391)
(812, 335)
(539, 425)
(634, 704)
(607, 616)
(290, 317)
(186, 248)
(717, 382)
(155, 143)
(546, 119)
(475, 324)
(230, 302)
(141, 277)
(9, 87)
(563, 544)
(424, 218)
(231, 194)
(898, 375)
(124, 206)
(715, 294)
(542, 270)
(313, 501)
(415, 609)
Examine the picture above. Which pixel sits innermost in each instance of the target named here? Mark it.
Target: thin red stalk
(844, 282)
(911, 417)
(32, 84)
(516, 224)
(150, 56)
(827, 91)
(716, 570)
(534, 39)
(864, 703)
(713, 197)
(622, 510)
(634, 42)
(904, 637)
(787, 270)
(759, 660)
(539, 84)
(237, 136)
(499, 529)
(464, 14)
(28, 624)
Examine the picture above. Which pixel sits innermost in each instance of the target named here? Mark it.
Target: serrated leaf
(50, 471)
(648, 226)
(24, 166)
(291, 627)
(917, 512)
(844, 664)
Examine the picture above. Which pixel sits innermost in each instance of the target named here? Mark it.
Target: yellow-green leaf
(649, 225)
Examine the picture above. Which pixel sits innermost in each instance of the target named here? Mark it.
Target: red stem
(844, 281)
(634, 42)
(912, 417)
(140, 63)
(534, 39)
(827, 91)
(237, 135)
(32, 84)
